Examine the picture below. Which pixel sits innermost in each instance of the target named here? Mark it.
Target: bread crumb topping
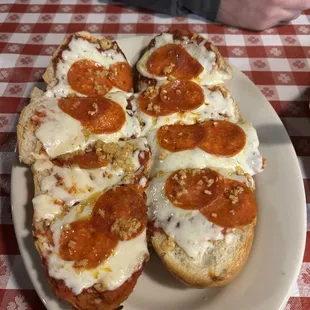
(101, 89)
(163, 155)
(182, 192)
(118, 156)
(81, 263)
(233, 194)
(94, 110)
(101, 212)
(151, 92)
(100, 72)
(105, 43)
(168, 69)
(168, 245)
(113, 73)
(125, 228)
(160, 173)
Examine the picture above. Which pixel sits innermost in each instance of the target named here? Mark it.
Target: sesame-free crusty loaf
(217, 268)
(27, 142)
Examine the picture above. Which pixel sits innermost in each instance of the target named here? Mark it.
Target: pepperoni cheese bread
(181, 55)
(203, 223)
(220, 144)
(184, 102)
(70, 179)
(94, 251)
(90, 168)
(175, 161)
(88, 66)
(49, 127)
(202, 208)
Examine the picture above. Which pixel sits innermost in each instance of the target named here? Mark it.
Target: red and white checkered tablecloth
(276, 60)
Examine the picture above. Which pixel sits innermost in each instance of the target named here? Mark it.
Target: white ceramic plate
(276, 257)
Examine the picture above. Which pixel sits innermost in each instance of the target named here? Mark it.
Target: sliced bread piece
(219, 266)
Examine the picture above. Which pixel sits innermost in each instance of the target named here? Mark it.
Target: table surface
(276, 60)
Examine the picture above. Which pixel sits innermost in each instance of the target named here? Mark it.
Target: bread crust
(224, 90)
(26, 140)
(220, 266)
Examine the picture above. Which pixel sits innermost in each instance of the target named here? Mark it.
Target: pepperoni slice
(193, 188)
(151, 104)
(85, 245)
(121, 76)
(190, 68)
(89, 160)
(99, 115)
(165, 60)
(223, 138)
(182, 95)
(118, 214)
(123, 210)
(176, 138)
(89, 78)
(236, 207)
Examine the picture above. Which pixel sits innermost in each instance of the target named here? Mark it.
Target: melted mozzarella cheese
(60, 133)
(191, 230)
(249, 159)
(126, 259)
(215, 106)
(209, 76)
(45, 208)
(78, 184)
(81, 49)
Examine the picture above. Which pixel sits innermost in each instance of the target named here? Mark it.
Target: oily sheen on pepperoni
(176, 138)
(182, 95)
(236, 207)
(84, 243)
(165, 60)
(193, 189)
(190, 68)
(120, 76)
(173, 59)
(99, 115)
(89, 78)
(118, 214)
(223, 138)
(88, 160)
(122, 202)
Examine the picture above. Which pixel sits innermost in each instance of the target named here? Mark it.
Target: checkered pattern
(276, 60)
